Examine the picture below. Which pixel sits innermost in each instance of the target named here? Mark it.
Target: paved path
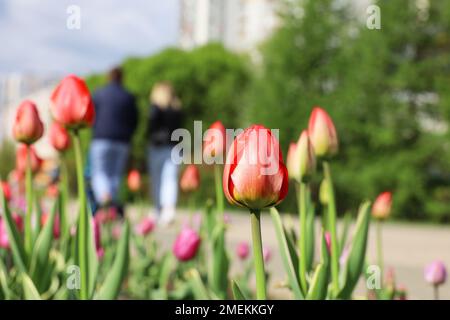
(407, 248)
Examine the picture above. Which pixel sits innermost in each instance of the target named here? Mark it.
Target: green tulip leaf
(237, 293)
(356, 258)
(319, 283)
(197, 286)
(111, 287)
(29, 289)
(285, 255)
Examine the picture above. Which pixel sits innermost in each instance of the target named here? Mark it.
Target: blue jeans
(108, 161)
(164, 177)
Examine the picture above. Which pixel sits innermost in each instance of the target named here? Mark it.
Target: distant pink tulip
(190, 179)
(6, 190)
(56, 224)
(267, 254)
(18, 220)
(243, 250)
(328, 240)
(381, 208)
(4, 241)
(186, 244)
(146, 226)
(435, 273)
(116, 231)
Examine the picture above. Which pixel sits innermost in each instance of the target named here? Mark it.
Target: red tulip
(190, 179)
(255, 175)
(59, 137)
(52, 190)
(56, 224)
(134, 181)
(6, 190)
(322, 133)
(18, 220)
(186, 244)
(243, 250)
(72, 105)
(27, 127)
(97, 234)
(381, 208)
(21, 159)
(214, 142)
(145, 226)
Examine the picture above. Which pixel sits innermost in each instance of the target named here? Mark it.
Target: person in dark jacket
(165, 117)
(115, 123)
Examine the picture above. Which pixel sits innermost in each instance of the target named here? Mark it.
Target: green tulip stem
(302, 243)
(64, 190)
(436, 292)
(258, 257)
(83, 219)
(29, 200)
(219, 192)
(380, 247)
(332, 227)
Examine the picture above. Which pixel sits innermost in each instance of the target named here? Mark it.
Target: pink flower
(134, 180)
(145, 226)
(190, 179)
(215, 142)
(267, 254)
(328, 240)
(243, 250)
(6, 190)
(186, 244)
(28, 126)
(4, 241)
(116, 231)
(435, 273)
(381, 208)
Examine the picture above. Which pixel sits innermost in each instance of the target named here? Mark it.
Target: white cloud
(36, 38)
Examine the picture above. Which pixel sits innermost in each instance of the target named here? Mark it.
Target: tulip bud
(267, 254)
(214, 142)
(190, 179)
(6, 190)
(243, 250)
(304, 157)
(435, 273)
(322, 133)
(145, 226)
(72, 105)
(134, 181)
(21, 159)
(186, 244)
(291, 163)
(27, 127)
(18, 220)
(328, 240)
(4, 240)
(381, 208)
(324, 192)
(59, 137)
(254, 174)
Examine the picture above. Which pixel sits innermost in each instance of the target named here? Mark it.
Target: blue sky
(35, 38)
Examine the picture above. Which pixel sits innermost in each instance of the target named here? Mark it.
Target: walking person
(165, 117)
(115, 123)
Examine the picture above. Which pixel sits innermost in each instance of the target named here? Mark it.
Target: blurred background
(260, 61)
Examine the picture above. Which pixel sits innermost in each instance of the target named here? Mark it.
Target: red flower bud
(254, 174)
(6, 190)
(145, 226)
(134, 181)
(21, 159)
(59, 137)
(27, 127)
(322, 133)
(186, 244)
(243, 250)
(381, 208)
(56, 224)
(215, 142)
(190, 179)
(72, 105)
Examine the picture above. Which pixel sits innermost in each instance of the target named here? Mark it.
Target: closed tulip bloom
(254, 174)
(6, 190)
(134, 181)
(243, 250)
(59, 137)
(28, 126)
(322, 133)
(186, 244)
(267, 254)
(214, 142)
(305, 157)
(18, 220)
(291, 164)
(72, 105)
(435, 273)
(190, 179)
(21, 159)
(4, 240)
(381, 208)
(146, 226)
